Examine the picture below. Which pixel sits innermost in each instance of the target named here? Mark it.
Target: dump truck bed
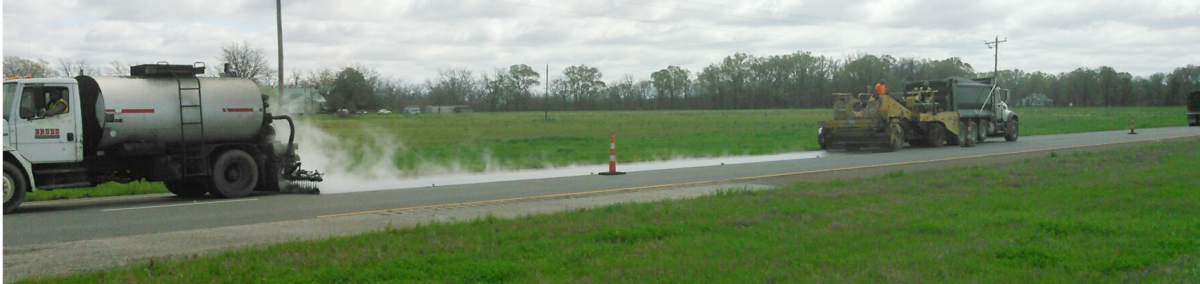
(971, 98)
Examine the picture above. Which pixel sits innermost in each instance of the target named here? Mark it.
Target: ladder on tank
(191, 130)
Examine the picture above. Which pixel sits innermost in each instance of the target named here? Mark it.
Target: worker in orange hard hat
(881, 88)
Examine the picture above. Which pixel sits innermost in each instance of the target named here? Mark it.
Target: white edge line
(175, 205)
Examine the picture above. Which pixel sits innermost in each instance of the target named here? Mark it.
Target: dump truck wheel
(1014, 131)
(896, 139)
(960, 139)
(187, 187)
(14, 187)
(980, 131)
(969, 135)
(235, 174)
(937, 135)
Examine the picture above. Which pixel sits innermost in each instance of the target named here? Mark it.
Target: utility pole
(996, 45)
(546, 98)
(279, 27)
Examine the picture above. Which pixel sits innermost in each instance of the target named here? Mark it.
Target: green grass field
(1118, 216)
(436, 143)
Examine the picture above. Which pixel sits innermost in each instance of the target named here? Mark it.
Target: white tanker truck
(198, 135)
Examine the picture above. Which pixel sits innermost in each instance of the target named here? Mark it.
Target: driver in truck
(57, 105)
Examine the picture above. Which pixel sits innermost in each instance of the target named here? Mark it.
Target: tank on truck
(199, 135)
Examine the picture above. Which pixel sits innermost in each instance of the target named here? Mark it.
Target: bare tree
(247, 62)
(70, 68)
(16, 66)
(453, 86)
(117, 68)
(295, 78)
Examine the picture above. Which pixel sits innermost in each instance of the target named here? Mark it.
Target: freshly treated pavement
(47, 224)
(63, 221)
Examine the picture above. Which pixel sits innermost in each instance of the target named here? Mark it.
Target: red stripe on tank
(237, 110)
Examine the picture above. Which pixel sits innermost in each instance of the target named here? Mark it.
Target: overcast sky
(412, 39)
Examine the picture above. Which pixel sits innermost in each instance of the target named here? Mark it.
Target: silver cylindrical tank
(148, 110)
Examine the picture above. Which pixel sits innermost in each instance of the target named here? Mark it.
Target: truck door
(42, 135)
(10, 105)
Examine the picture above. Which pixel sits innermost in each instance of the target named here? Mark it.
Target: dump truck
(932, 113)
(199, 135)
(1193, 108)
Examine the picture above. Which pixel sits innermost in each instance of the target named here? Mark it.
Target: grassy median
(1115, 216)
(434, 143)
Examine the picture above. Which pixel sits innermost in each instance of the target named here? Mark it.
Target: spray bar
(293, 175)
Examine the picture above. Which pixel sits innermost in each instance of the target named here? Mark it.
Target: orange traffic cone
(612, 155)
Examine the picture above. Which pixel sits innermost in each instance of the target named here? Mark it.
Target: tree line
(738, 81)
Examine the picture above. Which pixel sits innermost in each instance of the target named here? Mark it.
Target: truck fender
(1007, 115)
(26, 167)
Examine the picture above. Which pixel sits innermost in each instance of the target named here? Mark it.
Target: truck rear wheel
(936, 136)
(235, 174)
(968, 137)
(981, 131)
(1014, 130)
(187, 187)
(960, 138)
(14, 187)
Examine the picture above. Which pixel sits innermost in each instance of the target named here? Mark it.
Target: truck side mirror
(27, 113)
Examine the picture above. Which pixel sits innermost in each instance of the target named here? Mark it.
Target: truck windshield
(10, 90)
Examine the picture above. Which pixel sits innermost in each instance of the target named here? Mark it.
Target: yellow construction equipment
(956, 111)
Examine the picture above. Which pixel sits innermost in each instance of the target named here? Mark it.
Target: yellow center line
(636, 188)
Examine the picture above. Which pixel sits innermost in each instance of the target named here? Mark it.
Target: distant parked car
(362, 112)
(412, 110)
(384, 111)
(342, 113)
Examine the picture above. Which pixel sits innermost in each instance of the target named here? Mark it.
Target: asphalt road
(55, 222)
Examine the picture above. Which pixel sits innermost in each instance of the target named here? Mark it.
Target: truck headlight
(820, 130)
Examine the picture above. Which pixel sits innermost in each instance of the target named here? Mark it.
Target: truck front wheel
(14, 187)
(1014, 130)
(235, 174)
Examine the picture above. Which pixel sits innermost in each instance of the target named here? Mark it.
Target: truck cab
(33, 128)
(41, 126)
